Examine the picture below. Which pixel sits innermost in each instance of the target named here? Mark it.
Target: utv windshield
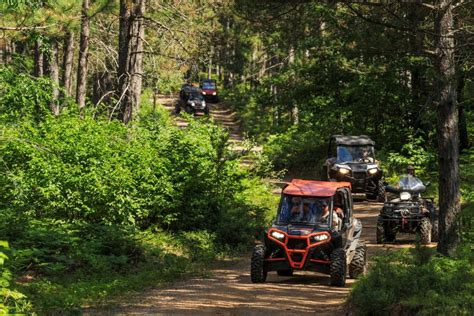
(411, 183)
(208, 85)
(196, 96)
(355, 153)
(304, 210)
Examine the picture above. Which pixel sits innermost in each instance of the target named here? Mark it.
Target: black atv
(408, 213)
(192, 100)
(307, 235)
(352, 159)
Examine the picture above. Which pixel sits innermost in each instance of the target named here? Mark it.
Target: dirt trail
(229, 290)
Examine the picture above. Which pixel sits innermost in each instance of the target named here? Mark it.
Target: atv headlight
(204, 93)
(214, 93)
(320, 237)
(344, 171)
(373, 171)
(278, 235)
(405, 196)
(193, 104)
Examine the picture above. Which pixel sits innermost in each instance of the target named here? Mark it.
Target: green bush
(416, 282)
(25, 97)
(72, 169)
(11, 301)
(296, 148)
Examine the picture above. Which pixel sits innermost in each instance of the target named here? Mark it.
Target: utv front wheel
(358, 264)
(424, 231)
(287, 272)
(258, 274)
(337, 269)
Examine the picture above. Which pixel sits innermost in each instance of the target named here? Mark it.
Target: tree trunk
(448, 132)
(83, 56)
(131, 57)
(463, 134)
(8, 51)
(68, 57)
(38, 72)
(125, 12)
(53, 72)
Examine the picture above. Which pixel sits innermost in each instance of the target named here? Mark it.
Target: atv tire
(378, 194)
(258, 273)
(434, 230)
(424, 231)
(382, 235)
(188, 109)
(287, 272)
(358, 264)
(337, 269)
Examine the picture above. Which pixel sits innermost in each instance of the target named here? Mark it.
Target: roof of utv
(353, 140)
(314, 188)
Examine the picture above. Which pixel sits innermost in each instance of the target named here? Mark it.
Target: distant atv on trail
(314, 230)
(352, 159)
(209, 90)
(192, 100)
(408, 213)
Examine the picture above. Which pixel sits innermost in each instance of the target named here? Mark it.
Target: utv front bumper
(298, 252)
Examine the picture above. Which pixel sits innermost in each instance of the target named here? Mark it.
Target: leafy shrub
(52, 247)
(296, 148)
(416, 282)
(10, 300)
(412, 153)
(101, 172)
(25, 97)
(200, 245)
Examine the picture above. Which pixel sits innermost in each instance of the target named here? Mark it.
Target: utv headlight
(204, 93)
(320, 237)
(373, 171)
(405, 196)
(278, 235)
(344, 171)
(193, 104)
(214, 93)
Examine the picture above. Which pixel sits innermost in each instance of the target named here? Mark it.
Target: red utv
(209, 90)
(314, 230)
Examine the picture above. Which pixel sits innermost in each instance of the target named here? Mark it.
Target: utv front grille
(294, 243)
(297, 257)
(359, 175)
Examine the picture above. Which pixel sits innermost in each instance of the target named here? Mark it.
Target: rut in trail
(224, 116)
